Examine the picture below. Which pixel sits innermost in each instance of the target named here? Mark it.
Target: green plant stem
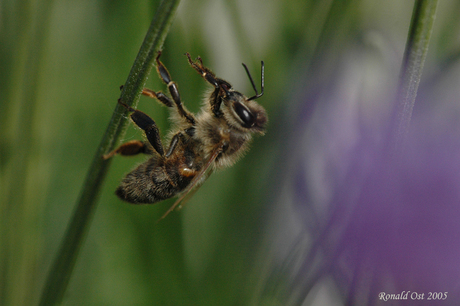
(411, 69)
(64, 263)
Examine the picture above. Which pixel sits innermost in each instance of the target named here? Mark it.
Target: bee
(199, 144)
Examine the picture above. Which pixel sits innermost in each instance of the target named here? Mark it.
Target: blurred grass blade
(19, 103)
(411, 69)
(62, 267)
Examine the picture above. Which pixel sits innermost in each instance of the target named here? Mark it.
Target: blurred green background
(62, 63)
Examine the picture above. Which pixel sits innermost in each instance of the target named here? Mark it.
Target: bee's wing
(193, 186)
(188, 193)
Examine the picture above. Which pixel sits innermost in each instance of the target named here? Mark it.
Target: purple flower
(371, 220)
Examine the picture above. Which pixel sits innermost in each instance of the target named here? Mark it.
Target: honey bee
(214, 138)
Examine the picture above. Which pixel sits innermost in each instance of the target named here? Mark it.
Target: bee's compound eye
(244, 114)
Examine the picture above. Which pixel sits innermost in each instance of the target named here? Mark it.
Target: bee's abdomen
(150, 183)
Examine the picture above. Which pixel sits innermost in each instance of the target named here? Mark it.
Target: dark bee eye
(244, 114)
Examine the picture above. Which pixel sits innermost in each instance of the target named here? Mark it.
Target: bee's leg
(221, 86)
(207, 74)
(159, 96)
(132, 147)
(156, 95)
(173, 144)
(149, 126)
(216, 101)
(175, 141)
(172, 87)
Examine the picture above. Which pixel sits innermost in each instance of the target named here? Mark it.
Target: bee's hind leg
(150, 128)
(130, 148)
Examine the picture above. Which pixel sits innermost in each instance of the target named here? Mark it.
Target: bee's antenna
(258, 95)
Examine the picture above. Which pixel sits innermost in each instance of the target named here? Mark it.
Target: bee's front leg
(222, 87)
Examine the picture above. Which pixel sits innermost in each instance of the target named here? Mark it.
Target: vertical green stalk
(64, 263)
(411, 69)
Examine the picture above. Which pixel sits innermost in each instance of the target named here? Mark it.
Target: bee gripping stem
(62, 267)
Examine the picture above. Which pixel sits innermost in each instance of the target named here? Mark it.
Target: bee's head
(245, 113)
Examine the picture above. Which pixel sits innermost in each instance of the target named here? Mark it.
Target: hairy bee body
(160, 178)
(217, 137)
